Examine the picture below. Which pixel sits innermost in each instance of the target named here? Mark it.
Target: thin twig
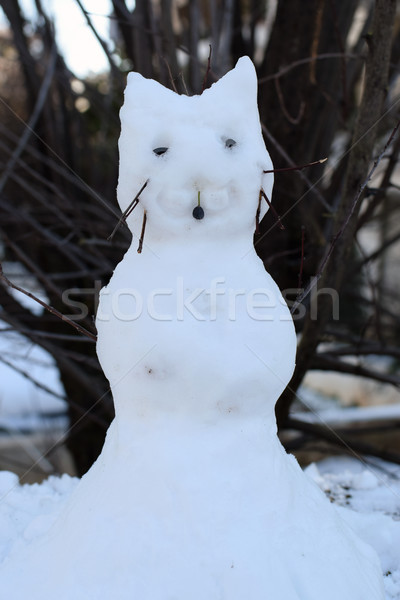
(312, 187)
(376, 254)
(316, 39)
(297, 167)
(85, 186)
(324, 362)
(353, 446)
(128, 211)
(30, 125)
(366, 349)
(343, 58)
(170, 74)
(92, 416)
(339, 234)
(304, 61)
(293, 120)
(264, 195)
(207, 70)
(49, 308)
(140, 247)
(258, 214)
(102, 43)
(300, 281)
(374, 296)
(35, 382)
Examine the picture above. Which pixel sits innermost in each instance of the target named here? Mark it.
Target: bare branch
(102, 43)
(304, 61)
(349, 445)
(50, 309)
(345, 223)
(327, 362)
(29, 127)
(311, 186)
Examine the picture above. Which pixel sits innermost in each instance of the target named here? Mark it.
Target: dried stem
(300, 281)
(140, 247)
(128, 211)
(352, 446)
(49, 308)
(207, 70)
(346, 222)
(264, 195)
(258, 214)
(297, 167)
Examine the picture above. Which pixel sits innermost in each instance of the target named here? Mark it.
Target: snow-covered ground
(367, 496)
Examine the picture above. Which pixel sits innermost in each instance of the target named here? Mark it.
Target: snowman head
(202, 157)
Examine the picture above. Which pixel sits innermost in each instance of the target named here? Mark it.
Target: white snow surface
(367, 496)
(193, 495)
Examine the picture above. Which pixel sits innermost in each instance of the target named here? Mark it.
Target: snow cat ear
(146, 94)
(238, 86)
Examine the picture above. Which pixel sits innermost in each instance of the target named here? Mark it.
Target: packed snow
(193, 494)
(367, 496)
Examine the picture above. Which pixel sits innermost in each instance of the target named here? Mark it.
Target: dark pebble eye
(160, 151)
(230, 143)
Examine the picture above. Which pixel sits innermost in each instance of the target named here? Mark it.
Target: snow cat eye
(160, 151)
(229, 143)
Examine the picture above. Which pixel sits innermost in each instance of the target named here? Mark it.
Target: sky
(82, 52)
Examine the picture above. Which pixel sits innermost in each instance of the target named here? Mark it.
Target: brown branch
(257, 232)
(374, 255)
(264, 195)
(63, 170)
(374, 297)
(311, 186)
(357, 177)
(76, 178)
(304, 61)
(316, 39)
(207, 70)
(325, 362)
(140, 247)
(342, 47)
(113, 66)
(293, 120)
(30, 125)
(95, 418)
(71, 253)
(62, 357)
(352, 446)
(363, 349)
(385, 183)
(171, 77)
(49, 308)
(297, 167)
(128, 211)
(300, 280)
(42, 277)
(169, 42)
(345, 223)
